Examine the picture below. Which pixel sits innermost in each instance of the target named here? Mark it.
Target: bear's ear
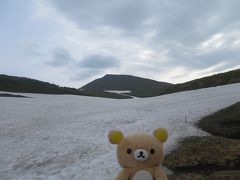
(115, 136)
(161, 134)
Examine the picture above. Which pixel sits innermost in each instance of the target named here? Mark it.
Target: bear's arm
(159, 174)
(123, 175)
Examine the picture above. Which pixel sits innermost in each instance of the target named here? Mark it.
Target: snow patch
(118, 92)
(65, 136)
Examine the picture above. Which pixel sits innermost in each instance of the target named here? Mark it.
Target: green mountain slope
(139, 87)
(26, 85)
(210, 81)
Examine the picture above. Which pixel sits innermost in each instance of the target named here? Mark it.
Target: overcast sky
(71, 42)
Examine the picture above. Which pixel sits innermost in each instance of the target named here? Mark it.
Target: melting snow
(65, 136)
(118, 92)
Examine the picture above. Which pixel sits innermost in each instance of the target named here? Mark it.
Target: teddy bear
(140, 155)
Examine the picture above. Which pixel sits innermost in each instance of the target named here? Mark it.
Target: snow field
(65, 136)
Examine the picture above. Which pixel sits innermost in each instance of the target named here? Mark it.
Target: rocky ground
(209, 157)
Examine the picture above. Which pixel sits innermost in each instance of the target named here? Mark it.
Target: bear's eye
(129, 151)
(152, 151)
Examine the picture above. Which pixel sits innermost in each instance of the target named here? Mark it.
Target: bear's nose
(140, 155)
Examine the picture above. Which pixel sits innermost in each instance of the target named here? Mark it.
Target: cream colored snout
(140, 154)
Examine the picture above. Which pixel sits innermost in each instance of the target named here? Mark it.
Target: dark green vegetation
(205, 153)
(188, 176)
(139, 87)
(210, 157)
(202, 156)
(26, 85)
(210, 81)
(225, 122)
(12, 95)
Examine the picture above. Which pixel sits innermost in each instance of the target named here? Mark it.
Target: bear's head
(139, 150)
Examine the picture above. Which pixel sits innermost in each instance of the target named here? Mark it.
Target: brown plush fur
(131, 166)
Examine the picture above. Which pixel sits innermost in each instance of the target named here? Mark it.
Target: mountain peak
(139, 87)
(118, 75)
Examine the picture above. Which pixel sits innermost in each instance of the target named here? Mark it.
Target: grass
(225, 122)
(210, 157)
(199, 157)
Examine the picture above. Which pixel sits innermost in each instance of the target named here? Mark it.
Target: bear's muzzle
(140, 154)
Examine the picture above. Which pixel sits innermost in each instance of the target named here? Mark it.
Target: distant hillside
(136, 86)
(26, 85)
(139, 87)
(210, 81)
(12, 95)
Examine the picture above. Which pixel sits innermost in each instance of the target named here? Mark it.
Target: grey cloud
(128, 14)
(61, 57)
(92, 13)
(186, 21)
(85, 74)
(2, 5)
(178, 26)
(195, 21)
(95, 65)
(191, 57)
(87, 67)
(30, 48)
(98, 61)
